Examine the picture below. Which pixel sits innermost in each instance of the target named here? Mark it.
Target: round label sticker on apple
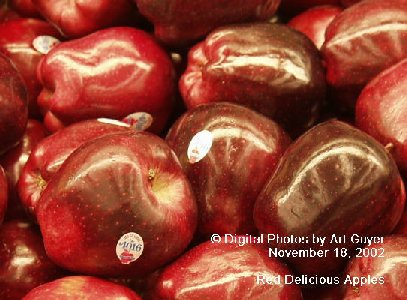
(199, 146)
(139, 120)
(129, 247)
(44, 43)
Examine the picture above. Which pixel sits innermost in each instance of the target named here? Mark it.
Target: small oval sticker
(199, 146)
(129, 247)
(44, 43)
(139, 120)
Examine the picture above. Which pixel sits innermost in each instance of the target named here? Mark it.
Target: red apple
(180, 22)
(347, 3)
(25, 8)
(335, 179)
(81, 287)
(6, 13)
(381, 111)
(225, 271)
(246, 148)
(118, 185)
(313, 22)
(3, 194)
(16, 42)
(270, 68)
(48, 156)
(13, 162)
(293, 7)
(111, 73)
(381, 271)
(77, 18)
(13, 105)
(24, 264)
(362, 41)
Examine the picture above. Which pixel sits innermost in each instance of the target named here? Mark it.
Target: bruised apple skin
(387, 271)
(81, 287)
(246, 148)
(13, 162)
(110, 73)
(25, 8)
(362, 41)
(3, 194)
(24, 264)
(269, 68)
(113, 185)
(180, 22)
(334, 179)
(225, 271)
(381, 111)
(16, 42)
(77, 18)
(49, 154)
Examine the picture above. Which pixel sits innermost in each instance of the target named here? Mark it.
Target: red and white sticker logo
(199, 146)
(139, 120)
(129, 247)
(44, 43)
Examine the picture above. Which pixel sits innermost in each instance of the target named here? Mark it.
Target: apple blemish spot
(129, 248)
(199, 146)
(44, 43)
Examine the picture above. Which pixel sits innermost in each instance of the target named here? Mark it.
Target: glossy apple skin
(111, 73)
(16, 37)
(393, 267)
(79, 18)
(25, 8)
(24, 264)
(223, 271)
(13, 162)
(234, 64)
(335, 179)
(314, 21)
(13, 105)
(81, 287)
(381, 111)
(3, 194)
(172, 29)
(119, 183)
(48, 156)
(293, 7)
(362, 41)
(245, 150)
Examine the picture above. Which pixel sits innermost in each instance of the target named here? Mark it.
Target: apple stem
(151, 174)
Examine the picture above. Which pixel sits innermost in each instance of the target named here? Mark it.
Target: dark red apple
(347, 3)
(3, 194)
(313, 22)
(270, 68)
(110, 189)
(330, 292)
(380, 272)
(6, 13)
(24, 264)
(362, 41)
(180, 22)
(381, 111)
(16, 42)
(226, 271)
(402, 226)
(81, 287)
(111, 73)
(13, 105)
(25, 8)
(77, 18)
(335, 179)
(48, 156)
(293, 7)
(13, 162)
(246, 148)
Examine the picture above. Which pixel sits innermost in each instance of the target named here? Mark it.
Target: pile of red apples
(168, 149)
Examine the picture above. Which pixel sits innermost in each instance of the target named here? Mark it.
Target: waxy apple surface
(77, 18)
(3, 194)
(180, 22)
(335, 179)
(362, 41)
(224, 271)
(16, 42)
(246, 148)
(113, 185)
(13, 105)
(49, 155)
(270, 68)
(25, 8)
(381, 111)
(24, 264)
(111, 73)
(81, 287)
(392, 267)
(13, 162)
